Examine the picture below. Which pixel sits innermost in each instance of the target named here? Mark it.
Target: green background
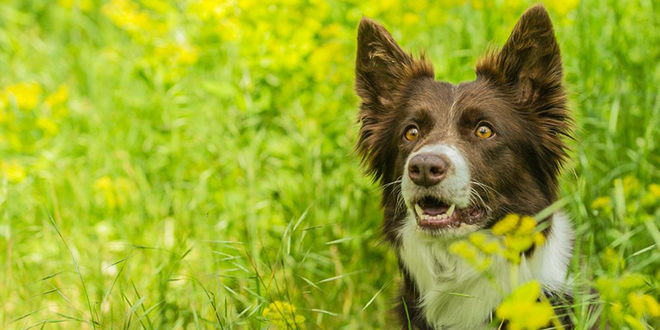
(185, 164)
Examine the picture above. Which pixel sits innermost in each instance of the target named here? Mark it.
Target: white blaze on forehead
(454, 188)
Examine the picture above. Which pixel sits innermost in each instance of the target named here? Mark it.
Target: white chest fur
(455, 296)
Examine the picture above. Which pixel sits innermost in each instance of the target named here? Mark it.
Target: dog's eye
(484, 132)
(412, 134)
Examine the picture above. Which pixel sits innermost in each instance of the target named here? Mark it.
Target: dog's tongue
(433, 207)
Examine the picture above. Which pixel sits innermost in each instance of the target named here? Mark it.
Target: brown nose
(427, 169)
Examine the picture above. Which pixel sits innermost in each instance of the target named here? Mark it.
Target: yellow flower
(636, 304)
(3, 100)
(652, 196)
(643, 304)
(282, 315)
(26, 95)
(634, 323)
(58, 97)
(470, 254)
(539, 239)
(13, 171)
(506, 225)
(654, 189)
(410, 19)
(127, 15)
(176, 54)
(652, 305)
(84, 5)
(601, 203)
(159, 6)
(611, 260)
(188, 55)
(208, 10)
(479, 240)
(630, 185)
(523, 310)
(527, 225)
(105, 192)
(562, 7)
(632, 281)
(47, 125)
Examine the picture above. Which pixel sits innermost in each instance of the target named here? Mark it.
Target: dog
(454, 159)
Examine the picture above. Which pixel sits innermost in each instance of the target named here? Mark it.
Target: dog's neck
(453, 295)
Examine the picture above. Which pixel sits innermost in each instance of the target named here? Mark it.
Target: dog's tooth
(451, 210)
(419, 210)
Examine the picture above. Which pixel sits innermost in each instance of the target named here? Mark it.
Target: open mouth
(432, 213)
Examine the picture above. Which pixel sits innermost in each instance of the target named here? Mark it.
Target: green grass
(202, 166)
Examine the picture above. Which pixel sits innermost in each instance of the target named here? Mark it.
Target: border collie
(454, 159)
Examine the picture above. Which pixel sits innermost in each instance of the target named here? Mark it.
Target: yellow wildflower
(58, 97)
(26, 95)
(562, 7)
(127, 15)
(539, 239)
(470, 254)
(410, 19)
(636, 304)
(158, 6)
(527, 225)
(188, 55)
(630, 185)
(506, 225)
(634, 323)
(611, 260)
(208, 10)
(523, 310)
(176, 54)
(643, 304)
(652, 196)
(652, 305)
(601, 203)
(13, 171)
(47, 125)
(478, 238)
(632, 281)
(84, 5)
(282, 315)
(105, 192)
(654, 189)
(3, 100)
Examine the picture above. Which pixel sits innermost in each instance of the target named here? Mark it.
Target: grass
(198, 165)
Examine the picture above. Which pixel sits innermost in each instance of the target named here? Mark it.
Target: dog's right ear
(382, 66)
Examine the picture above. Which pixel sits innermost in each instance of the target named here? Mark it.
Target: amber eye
(412, 134)
(484, 132)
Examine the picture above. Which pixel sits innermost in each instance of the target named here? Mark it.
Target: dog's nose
(427, 169)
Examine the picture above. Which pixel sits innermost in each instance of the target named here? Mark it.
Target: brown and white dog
(454, 159)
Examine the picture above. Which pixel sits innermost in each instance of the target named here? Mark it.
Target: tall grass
(197, 165)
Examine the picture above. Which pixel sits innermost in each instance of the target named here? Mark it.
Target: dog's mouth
(433, 213)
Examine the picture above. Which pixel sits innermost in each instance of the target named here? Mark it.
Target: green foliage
(189, 164)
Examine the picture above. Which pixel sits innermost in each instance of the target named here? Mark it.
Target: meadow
(190, 164)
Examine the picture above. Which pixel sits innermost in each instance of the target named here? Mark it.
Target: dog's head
(456, 158)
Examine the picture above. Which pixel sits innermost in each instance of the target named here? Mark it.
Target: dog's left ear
(529, 69)
(530, 60)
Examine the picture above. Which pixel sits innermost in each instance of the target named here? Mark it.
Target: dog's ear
(382, 70)
(529, 69)
(382, 67)
(530, 60)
